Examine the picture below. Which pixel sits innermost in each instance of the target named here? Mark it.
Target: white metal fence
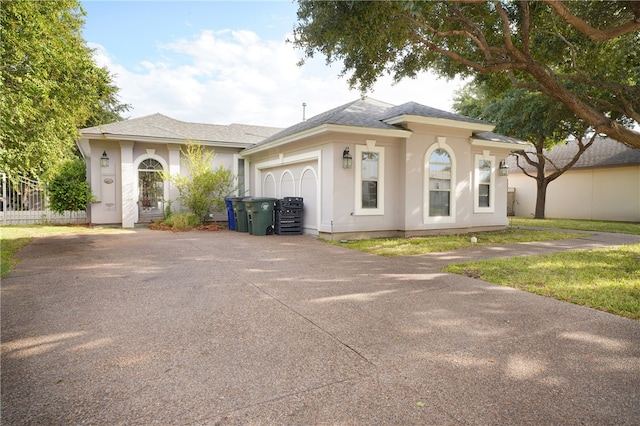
(25, 203)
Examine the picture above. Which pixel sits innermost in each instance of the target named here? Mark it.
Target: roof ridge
(415, 108)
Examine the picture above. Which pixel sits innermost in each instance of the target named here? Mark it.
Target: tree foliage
(583, 54)
(204, 189)
(535, 118)
(68, 188)
(49, 85)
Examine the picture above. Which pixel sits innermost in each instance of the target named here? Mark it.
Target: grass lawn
(583, 225)
(13, 238)
(409, 246)
(606, 279)
(603, 279)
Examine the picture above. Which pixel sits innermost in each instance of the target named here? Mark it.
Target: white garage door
(295, 180)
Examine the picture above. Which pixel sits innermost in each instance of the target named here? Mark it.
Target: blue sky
(226, 62)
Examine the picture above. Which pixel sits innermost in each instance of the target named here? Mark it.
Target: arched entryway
(151, 200)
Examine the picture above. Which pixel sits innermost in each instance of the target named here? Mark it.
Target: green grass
(13, 238)
(583, 225)
(411, 246)
(603, 279)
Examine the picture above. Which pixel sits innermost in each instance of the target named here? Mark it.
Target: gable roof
(370, 115)
(158, 127)
(496, 137)
(402, 112)
(360, 113)
(605, 152)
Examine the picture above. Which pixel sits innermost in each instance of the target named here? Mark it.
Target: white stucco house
(124, 160)
(413, 170)
(604, 184)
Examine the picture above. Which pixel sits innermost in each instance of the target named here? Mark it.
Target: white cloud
(235, 77)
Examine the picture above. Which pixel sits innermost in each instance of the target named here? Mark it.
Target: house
(604, 184)
(124, 161)
(364, 169)
(414, 170)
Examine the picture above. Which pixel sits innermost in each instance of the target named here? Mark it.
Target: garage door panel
(309, 191)
(297, 180)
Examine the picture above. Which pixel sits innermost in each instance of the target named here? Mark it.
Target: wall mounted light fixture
(504, 169)
(104, 160)
(347, 160)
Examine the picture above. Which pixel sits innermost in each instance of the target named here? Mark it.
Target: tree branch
(523, 154)
(581, 149)
(485, 69)
(526, 28)
(480, 39)
(506, 32)
(591, 32)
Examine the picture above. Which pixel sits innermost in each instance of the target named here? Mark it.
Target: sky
(224, 62)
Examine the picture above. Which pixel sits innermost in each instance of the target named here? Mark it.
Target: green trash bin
(240, 214)
(260, 214)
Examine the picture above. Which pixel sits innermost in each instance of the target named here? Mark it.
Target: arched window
(150, 164)
(150, 185)
(439, 183)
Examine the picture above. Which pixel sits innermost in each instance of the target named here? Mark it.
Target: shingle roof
(496, 137)
(163, 127)
(412, 108)
(369, 113)
(605, 152)
(360, 113)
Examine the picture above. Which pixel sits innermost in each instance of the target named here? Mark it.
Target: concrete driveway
(205, 328)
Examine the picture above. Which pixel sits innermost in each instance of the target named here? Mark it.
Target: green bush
(204, 189)
(181, 221)
(68, 188)
(167, 210)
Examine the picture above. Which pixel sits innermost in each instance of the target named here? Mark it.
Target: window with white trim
(439, 183)
(369, 179)
(484, 183)
(440, 166)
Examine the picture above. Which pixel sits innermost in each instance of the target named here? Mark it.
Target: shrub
(181, 221)
(68, 187)
(203, 191)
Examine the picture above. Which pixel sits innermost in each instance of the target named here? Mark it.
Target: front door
(150, 191)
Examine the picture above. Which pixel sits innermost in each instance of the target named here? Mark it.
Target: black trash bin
(288, 216)
(260, 215)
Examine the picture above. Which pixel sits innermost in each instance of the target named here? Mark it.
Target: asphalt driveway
(151, 327)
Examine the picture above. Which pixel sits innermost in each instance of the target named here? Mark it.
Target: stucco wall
(345, 214)
(457, 142)
(594, 194)
(117, 201)
(404, 181)
(105, 184)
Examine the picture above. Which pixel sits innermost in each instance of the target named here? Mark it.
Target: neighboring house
(604, 184)
(124, 161)
(414, 170)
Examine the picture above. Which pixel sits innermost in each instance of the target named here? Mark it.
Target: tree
(204, 189)
(49, 85)
(583, 54)
(68, 188)
(532, 117)
(106, 107)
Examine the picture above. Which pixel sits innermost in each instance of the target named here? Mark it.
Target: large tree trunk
(541, 198)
